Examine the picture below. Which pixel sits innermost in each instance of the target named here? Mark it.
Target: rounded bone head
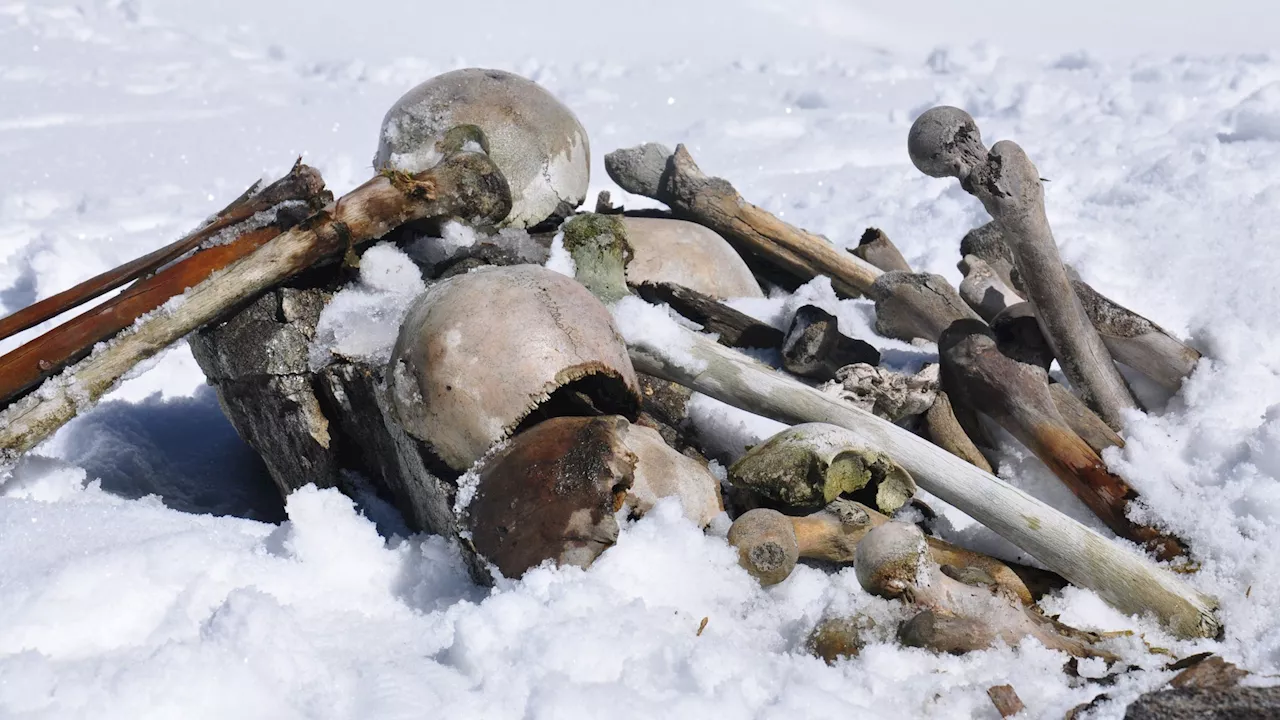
(535, 140)
(891, 559)
(945, 142)
(479, 352)
(766, 543)
(686, 254)
(661, 471)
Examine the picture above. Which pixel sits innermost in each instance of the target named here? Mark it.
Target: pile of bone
(534, 434)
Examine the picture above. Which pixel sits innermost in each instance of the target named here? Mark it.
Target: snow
(135, 583)
(560, 260)
(362, 320)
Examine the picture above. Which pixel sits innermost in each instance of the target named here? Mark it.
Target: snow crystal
(455, 237)
(361, 321)
(560, 260)
(1257, 117)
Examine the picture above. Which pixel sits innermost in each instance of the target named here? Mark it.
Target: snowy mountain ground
(123, 124)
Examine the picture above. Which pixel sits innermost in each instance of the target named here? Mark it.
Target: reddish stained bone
(30, 364)
(301, 183)
(1017, 397)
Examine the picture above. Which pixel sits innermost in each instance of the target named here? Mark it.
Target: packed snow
(148, 568)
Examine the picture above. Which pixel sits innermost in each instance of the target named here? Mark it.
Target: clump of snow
(362, 320)
(560, 260)
(654, 328)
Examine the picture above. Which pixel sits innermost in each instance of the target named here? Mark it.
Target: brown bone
(1017, 397)
(770, 544)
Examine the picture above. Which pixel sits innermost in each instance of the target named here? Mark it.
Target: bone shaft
(1121, 576)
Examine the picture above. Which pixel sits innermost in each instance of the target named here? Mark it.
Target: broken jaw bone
(945, 142)
(479, 353)
(895, 561)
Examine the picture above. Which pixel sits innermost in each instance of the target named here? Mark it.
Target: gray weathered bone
(1118, 574)
(945, 142)
(916, 305)
(885, 393)
(944, 429)
(983, 289)
(815, 348)
(894, 561)
(876, 248)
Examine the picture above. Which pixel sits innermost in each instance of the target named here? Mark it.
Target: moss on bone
(600, 251)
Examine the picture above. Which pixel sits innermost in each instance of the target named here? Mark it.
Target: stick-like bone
(466, 185)
(770, 544)
(876, 248)
(945, 142)
(301, 182)
(290, 199)
(812, 464)
(735, 328)
(675, 179)
(1118, 574)
(894, 561)
(1016, 396)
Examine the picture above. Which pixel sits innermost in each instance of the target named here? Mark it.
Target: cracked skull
(535, 140)
(482, 354)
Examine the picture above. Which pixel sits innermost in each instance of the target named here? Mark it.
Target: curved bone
(661, 472)
(1016, 396)
(987, 244)
(983, 289)
(876, 248)
(894, 561)
(916, 305)
(812, 464)
(815, 348)
(770, 544)
(945, 142)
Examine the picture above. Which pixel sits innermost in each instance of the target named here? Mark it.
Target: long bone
(1119, 574)
(945, 142)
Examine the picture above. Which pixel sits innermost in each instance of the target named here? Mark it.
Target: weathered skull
(479, 353)
(535, 141)
(687, 254)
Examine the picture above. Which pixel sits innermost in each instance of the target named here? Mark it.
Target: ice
(361, 321)
(560, 260)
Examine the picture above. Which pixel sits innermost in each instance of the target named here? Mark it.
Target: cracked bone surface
(815, 348)
(945, 142)
(552, 491)
(533, 138)
(811, 464)
(478, 353)
(1016, 396)
(895, 561)
(770, 544)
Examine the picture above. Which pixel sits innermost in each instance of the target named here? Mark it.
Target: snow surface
(140, 574)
